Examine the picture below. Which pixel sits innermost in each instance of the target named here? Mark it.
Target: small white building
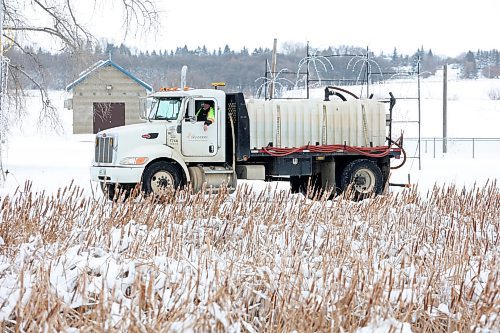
(105, 96)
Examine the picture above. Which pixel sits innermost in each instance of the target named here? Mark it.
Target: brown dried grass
(254, 261)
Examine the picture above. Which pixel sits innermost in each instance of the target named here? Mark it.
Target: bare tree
(26, 21)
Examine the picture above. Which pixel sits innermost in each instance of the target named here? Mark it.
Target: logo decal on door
(192, 137)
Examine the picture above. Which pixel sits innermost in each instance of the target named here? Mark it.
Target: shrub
(494, 94)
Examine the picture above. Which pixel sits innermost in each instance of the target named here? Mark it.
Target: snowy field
(424, 259)
(52, 161)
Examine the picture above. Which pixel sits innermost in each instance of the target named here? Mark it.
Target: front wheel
(364, 178)
(114, 192)
(161, 178)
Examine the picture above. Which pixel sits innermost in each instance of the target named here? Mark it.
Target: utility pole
(367, 72)
(419, 115)
(273, 70)
(445, 108)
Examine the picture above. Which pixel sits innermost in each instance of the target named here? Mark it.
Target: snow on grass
(421, 259)
(251, 261)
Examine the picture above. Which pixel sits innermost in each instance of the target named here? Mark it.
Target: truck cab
(171, 148)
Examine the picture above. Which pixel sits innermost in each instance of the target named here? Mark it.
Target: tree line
(244, 70)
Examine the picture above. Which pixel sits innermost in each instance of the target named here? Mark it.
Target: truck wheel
(298, 184)
(116, 191)
(160, 178)
(309, 186)
(364, 177)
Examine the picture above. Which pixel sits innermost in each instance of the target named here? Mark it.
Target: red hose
(375, 152)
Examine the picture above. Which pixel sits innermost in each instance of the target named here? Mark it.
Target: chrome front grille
(104, 150)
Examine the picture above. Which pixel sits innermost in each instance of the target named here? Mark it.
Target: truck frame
(170, 149)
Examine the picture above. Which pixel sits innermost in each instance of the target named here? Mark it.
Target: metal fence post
(434, 153)
(460, 143)
(473, 146)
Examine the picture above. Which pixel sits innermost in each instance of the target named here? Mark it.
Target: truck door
(195, 140)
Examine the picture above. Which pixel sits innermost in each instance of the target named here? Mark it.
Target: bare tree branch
(60, 19)
(48, 113)
(142, 13)
(45, 30)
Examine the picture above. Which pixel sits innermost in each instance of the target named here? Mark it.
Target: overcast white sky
(447, 27)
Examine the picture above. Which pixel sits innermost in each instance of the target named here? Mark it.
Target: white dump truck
(317, 145)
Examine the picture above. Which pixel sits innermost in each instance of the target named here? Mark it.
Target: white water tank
(295, 123)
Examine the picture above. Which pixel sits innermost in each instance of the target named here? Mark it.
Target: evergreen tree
(429, 64)
(469, 66)
(395, 58)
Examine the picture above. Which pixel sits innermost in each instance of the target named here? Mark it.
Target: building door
(107, 115)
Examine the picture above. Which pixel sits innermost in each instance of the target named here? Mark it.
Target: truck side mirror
(144, 107)
(191, 110)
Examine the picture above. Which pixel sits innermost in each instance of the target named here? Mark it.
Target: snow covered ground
(258, 259)
(51, 161)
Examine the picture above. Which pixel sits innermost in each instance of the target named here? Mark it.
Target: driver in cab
(206, 113)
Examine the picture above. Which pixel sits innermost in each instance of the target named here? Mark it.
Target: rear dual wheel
(363, 178)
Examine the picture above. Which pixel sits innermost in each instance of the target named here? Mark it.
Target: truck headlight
(134, 160)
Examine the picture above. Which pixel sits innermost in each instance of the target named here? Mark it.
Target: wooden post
(273, 70)
(445, 107)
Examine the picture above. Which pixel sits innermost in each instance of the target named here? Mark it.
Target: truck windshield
(165, 108)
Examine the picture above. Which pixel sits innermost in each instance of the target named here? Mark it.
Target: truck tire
(161, 178)
(364, 177)
(298, 184)
(309, 186)
(117, 191)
